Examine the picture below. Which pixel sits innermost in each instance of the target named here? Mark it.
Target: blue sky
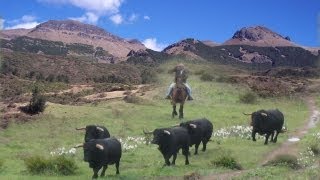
(162, 22)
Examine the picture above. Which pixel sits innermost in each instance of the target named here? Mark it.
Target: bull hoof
(187, 163)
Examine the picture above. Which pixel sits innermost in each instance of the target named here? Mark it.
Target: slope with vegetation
(217, 100)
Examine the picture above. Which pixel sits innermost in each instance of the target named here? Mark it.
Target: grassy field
(219, 102)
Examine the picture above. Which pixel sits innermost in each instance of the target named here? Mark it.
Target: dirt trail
(112, 94)
(287, 147)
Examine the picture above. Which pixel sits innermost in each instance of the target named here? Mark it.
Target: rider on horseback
(182, 72)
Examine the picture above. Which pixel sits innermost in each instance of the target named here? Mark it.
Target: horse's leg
(181, 111)
(174, 111)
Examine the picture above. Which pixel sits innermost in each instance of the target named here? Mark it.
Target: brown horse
(179, 95)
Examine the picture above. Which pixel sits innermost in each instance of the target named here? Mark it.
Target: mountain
(185, 47)
(256, 57)
(258, 36)
(71, 32)
(13, 33)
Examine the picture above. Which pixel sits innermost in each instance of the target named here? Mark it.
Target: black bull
(267, 122)
(101, 153)
(95, 132)
(200, 130)
(170, 141)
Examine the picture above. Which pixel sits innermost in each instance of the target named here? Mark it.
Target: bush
(286, 160)
(315, 147)
(206, 77)
(148, 75)
(58, 165)
(37, 103)
(227, 161)
(248, 98)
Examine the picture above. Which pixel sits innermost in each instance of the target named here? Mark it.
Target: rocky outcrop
(258, 36)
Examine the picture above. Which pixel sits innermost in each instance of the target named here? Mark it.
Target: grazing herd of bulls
(101, 150)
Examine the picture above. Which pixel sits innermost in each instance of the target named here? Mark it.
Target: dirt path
(113, 94)
(288, 147)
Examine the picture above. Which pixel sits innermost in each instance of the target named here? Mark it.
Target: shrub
(286, 160)
(315, 148)
(206, 77)
(37, 103)
(64, 165)
(227, 161)
(148, 75)
(57, 165)
(248, 98)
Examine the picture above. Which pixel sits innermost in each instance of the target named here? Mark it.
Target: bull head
(99, 146)
(166, 132)
(193, 126)
(78, 145)
(100, 129)
(82, 128)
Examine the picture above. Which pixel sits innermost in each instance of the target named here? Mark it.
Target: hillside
(71, 32)
(256, 57)
(68, 69)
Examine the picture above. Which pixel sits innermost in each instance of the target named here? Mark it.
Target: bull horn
(100, 129)
(193, 126)
(166, 131)
(283, 130)
(145, 132)
(247, 114)
(264, 114)
(78, 145)
(99, 146)
(82, 128)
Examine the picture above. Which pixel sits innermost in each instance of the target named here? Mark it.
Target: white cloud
(151, 43)
(146, 17)
(116, 19)
(97, 6)
(28, 18)
(26, 22)
(27, 25)
(133, 17)
(88, 17)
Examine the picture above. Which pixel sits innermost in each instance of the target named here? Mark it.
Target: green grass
(219, 102)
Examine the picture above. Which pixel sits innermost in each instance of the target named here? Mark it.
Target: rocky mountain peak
(71, 25)
(258, 36)
(255, 33)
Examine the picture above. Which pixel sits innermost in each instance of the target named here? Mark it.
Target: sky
(159, 23)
